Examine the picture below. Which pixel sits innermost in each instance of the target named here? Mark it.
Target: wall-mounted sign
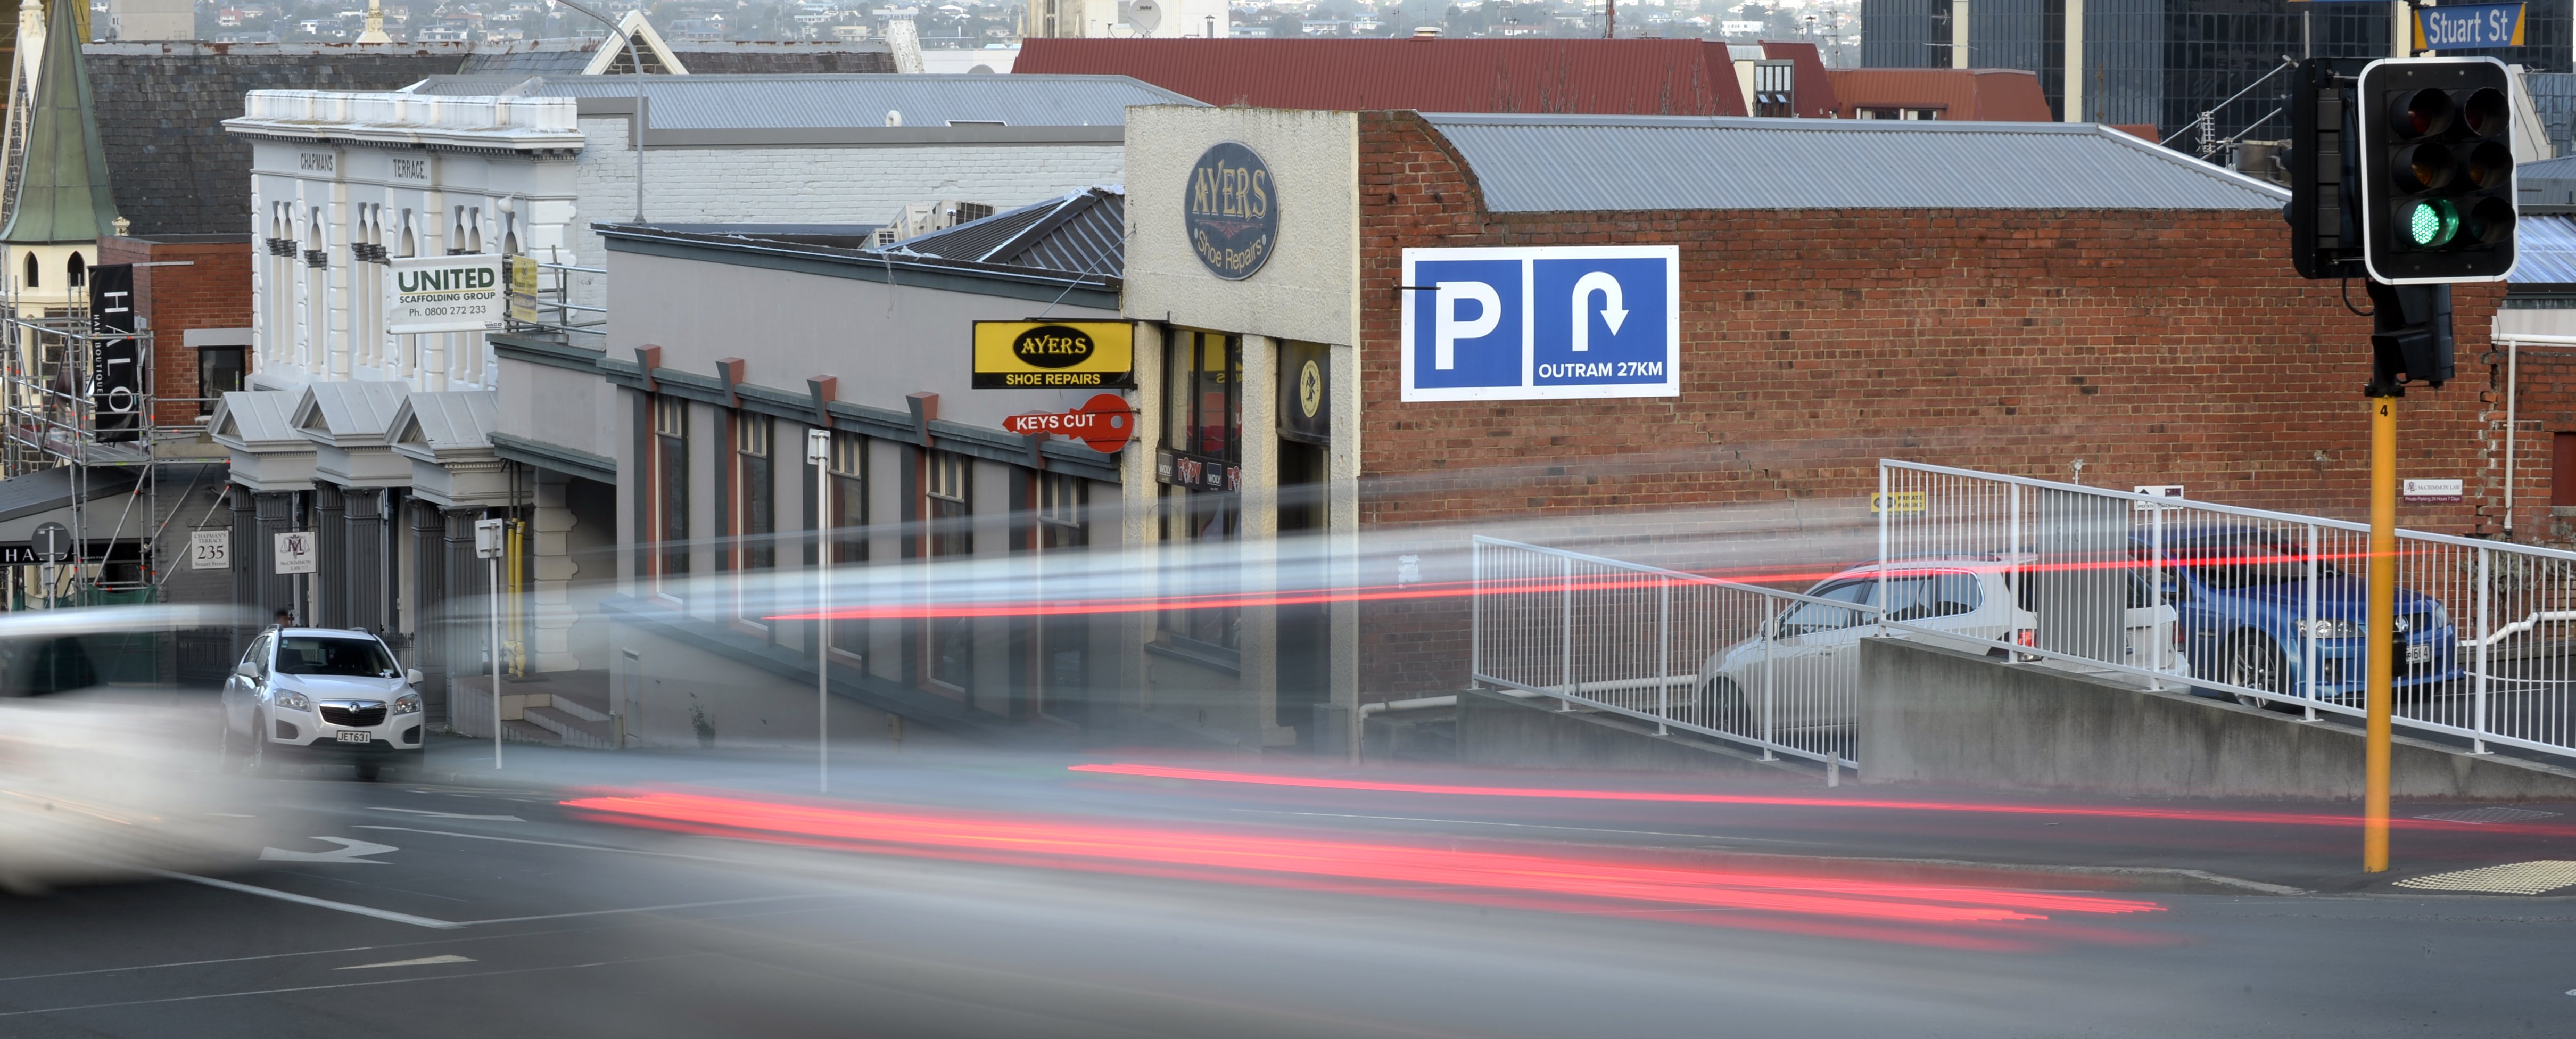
(2154, 490)
(1305, 393)
(1039, 355)
(2432, 490)
(210, 550)
(1540, 323)
(293, 550)
(116, 355)
(523, 289)
(2467, 26)
(1105, 422)
(444, 294)
(1231, 211)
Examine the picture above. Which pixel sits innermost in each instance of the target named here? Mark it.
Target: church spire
(62, 190)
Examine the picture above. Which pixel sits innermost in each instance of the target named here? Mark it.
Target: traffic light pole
(2380, 625)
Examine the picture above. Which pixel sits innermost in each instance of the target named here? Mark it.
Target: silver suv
(322, 695)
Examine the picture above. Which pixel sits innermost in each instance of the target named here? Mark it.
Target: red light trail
(1487, 877)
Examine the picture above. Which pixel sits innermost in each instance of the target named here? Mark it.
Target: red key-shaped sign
(1105, 422)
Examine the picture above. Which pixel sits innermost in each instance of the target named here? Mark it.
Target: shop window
(949, 507)
(219, 371)
(755, 503)
(670, 468)
(848, 520)
(1203, 518)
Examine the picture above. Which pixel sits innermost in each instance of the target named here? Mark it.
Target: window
(1063, 513)
(219, 371)
(948, 507)
(32, 279)
(670, 521)
(348, 658)
(1204, 376)
(755, 493)
(848, 519)
(75, 271)
(1810, 617)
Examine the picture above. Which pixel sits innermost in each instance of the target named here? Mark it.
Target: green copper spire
(63, 194)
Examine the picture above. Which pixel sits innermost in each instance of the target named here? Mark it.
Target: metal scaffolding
(52, 415)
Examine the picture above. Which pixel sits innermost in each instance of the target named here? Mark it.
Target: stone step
(516, 731)
(568, 729)
(570, 702)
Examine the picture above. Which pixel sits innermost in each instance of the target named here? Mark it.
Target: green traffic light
(2432, 223)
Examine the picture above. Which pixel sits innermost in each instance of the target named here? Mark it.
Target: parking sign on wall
(1542, 323)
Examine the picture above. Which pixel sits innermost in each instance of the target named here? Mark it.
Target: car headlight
(293, 701)
(2325, 628)
(407, 703)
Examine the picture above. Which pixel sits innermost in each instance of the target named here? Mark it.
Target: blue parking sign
(1553, 322)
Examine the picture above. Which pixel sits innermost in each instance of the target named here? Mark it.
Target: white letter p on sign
(1449, 330)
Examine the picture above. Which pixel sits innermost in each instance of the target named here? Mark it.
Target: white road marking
(450, 815)
(321, 903)
(186, 963)
(231, 815)
(351, 850)
(300, 988)
(648, 909)
(425, 961)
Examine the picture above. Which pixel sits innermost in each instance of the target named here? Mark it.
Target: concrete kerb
(1940, 716)
(1499, 730)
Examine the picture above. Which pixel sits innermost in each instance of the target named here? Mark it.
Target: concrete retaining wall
(1931, 715)
(1494, 729)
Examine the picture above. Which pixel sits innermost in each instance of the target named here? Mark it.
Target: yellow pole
(2378, 630)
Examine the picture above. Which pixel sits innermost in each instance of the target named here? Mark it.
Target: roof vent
(894, 117)
(1426, 32)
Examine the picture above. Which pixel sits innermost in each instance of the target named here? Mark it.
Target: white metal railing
(1681, 650)
(2267, 607)
(569, 318)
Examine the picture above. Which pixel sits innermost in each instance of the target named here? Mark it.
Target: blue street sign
(1542, 323)
(2468, 26)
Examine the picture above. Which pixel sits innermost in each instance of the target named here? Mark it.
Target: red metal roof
(1993, 95)
(1596, 77)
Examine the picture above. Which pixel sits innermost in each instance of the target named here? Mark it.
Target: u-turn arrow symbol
(1611, 314)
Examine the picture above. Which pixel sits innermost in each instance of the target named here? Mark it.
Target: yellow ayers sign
(1042, 355)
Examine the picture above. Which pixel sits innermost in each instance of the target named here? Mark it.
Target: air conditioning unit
(921, 218)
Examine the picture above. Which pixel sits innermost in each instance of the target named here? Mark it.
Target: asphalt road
(1010, 897)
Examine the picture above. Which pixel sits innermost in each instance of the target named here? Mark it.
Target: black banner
(116, 356)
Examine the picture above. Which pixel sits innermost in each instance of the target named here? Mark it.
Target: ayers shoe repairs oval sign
(1231, 211)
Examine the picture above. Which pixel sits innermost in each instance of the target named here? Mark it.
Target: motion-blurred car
(2244, 602)
(323, 695)
(1811, 651)
(102, 771)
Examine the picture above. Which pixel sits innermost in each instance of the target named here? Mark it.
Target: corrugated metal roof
(351, 413)
(1555, 164)
(1084, 232)
(838, 101)
(249, 417)
(2545, 249)
(436, 425)
(1623, 77)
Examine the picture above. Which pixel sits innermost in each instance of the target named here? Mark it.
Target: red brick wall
(211, 291)
(2159, 346)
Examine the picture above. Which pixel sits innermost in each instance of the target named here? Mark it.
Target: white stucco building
(345, 182)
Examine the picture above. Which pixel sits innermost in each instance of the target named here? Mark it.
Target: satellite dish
(1145, 15)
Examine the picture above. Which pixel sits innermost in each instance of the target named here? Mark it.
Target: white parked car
(1803, 671)
(322, 695)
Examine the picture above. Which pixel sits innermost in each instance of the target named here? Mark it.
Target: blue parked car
(2243, 597)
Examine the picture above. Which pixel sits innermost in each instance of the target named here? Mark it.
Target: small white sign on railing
(2431, 490)
(2156, 490)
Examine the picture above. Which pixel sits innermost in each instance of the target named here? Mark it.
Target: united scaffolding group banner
(445, 294)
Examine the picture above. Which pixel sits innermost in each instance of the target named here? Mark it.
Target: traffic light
(2325, 232)
(2436, 170)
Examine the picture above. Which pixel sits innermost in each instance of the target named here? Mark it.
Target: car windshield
(2245, 562)
(321, 655)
